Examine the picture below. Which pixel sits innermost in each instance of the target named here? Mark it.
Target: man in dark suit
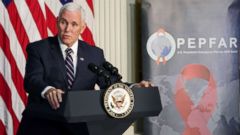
(49, 75)
(54, 66)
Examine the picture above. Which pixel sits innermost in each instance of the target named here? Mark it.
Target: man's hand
(54, 97)
(144, 83)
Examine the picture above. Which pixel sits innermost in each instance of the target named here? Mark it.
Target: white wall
(112, 35)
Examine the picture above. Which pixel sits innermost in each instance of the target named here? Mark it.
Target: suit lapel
(81, 62)
(57, 54)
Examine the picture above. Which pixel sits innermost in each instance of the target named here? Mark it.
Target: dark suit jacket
(45, 67)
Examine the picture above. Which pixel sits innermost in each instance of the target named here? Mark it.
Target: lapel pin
(81, 58)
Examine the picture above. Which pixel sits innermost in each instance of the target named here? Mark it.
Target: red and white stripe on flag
(21, 22)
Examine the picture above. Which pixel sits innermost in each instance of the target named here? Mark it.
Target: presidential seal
(118, 100)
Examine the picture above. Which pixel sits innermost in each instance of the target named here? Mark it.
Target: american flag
(21, 22)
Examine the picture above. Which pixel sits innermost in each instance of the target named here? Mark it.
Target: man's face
(69, 26)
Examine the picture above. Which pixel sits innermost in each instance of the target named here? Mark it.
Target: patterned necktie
(69, 68)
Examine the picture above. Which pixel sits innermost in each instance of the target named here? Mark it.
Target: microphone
(95, 69)
(113, 70)
(100, 72)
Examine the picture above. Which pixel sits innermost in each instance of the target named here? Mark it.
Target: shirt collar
(63, 46)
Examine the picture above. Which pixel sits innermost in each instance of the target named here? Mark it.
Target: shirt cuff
(133, 85)
(45, 90)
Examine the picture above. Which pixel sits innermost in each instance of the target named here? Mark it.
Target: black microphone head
(100, 71)
(107, 65)
(106, 75)
(94, 68)
(114, 70)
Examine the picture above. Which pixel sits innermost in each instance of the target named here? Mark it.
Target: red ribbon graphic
(196, 117)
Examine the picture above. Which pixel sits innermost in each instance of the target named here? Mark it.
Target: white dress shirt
(74, 47)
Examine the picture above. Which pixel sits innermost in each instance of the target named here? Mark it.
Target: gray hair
(71, 6)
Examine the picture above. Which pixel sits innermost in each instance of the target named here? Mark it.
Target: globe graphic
(161, 46)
